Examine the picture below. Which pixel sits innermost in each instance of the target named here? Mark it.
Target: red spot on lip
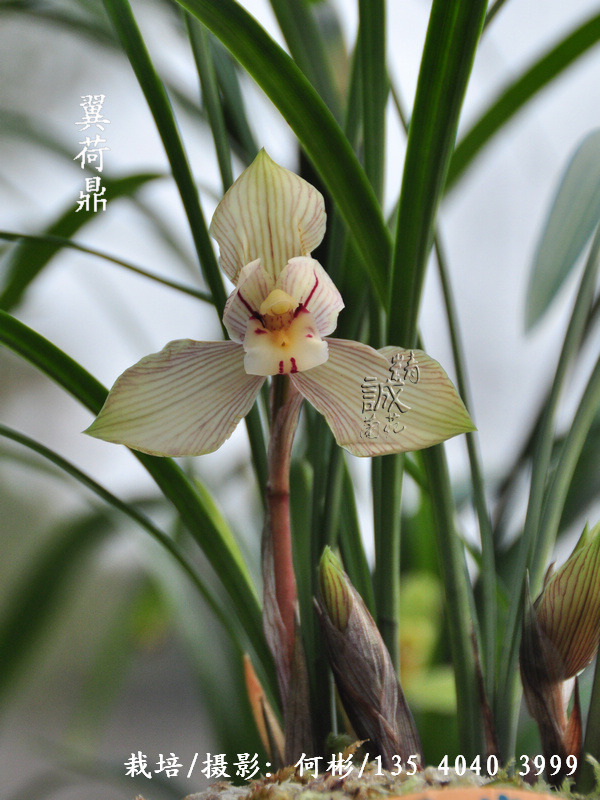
(259, 330)
(294, 367)
(281, 367)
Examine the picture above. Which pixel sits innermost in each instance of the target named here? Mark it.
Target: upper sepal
(268, 213)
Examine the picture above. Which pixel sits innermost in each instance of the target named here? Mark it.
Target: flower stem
(285, 408)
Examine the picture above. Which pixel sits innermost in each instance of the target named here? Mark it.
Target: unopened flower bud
(364, 674)
(335, 596)
(561, 633)
(568, 609)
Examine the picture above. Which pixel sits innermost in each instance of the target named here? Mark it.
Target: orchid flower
(188, 399)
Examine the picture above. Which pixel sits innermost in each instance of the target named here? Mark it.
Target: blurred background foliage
(105, 648)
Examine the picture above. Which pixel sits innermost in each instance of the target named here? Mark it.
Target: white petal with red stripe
(244, 302)
(184, 401)
(268, 213)
(288, 350)
(388, 401)
(308, 283)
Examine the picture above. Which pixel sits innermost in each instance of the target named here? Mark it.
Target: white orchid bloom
(188, 399)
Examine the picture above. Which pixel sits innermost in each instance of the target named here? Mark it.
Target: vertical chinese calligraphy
(382, 408)
(92, 153)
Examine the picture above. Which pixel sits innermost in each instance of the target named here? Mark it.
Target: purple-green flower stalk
(561, 633)
(188, 399)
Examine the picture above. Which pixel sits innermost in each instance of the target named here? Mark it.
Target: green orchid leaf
(308, 49)
(584, 489)
(61, 241)
(351, 544)
(200, 43)
(232, 101)
(32, 605)
(374, 84)
(452, 38)
(29, 258)
(573, 217)
(25, 128)
(517, 95)
(130, 511)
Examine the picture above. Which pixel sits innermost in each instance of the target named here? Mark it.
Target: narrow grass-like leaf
(34, 601)
(307, 48)
(585, 486)
(386, 476)
(26, 129)
(90, 24)
(492, 11)
(450, 45)
(30, 258)
(463, 635)
(489, 588)
(233, 103)
(210, 94)
(351, 545)
(563, 474)
(311, 121)
(123, 20)
(170, 479)
(60, 241)
(573, 217)
(514, 97)
(588, 774)
(374, 83)
(169, 544)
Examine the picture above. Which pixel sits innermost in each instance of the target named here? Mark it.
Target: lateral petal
(387, 401)
(308, 283)
(184, 401)
(268, 213)
(253, 286)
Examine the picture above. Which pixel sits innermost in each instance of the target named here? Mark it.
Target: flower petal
(308, 283)
(184, 401)
(268, 213)
(253, 286)
(387, 401)
(292, 349)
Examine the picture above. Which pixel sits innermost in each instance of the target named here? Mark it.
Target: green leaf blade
(571, 222)
(452, 38)
(30, 258)
(534, 79)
